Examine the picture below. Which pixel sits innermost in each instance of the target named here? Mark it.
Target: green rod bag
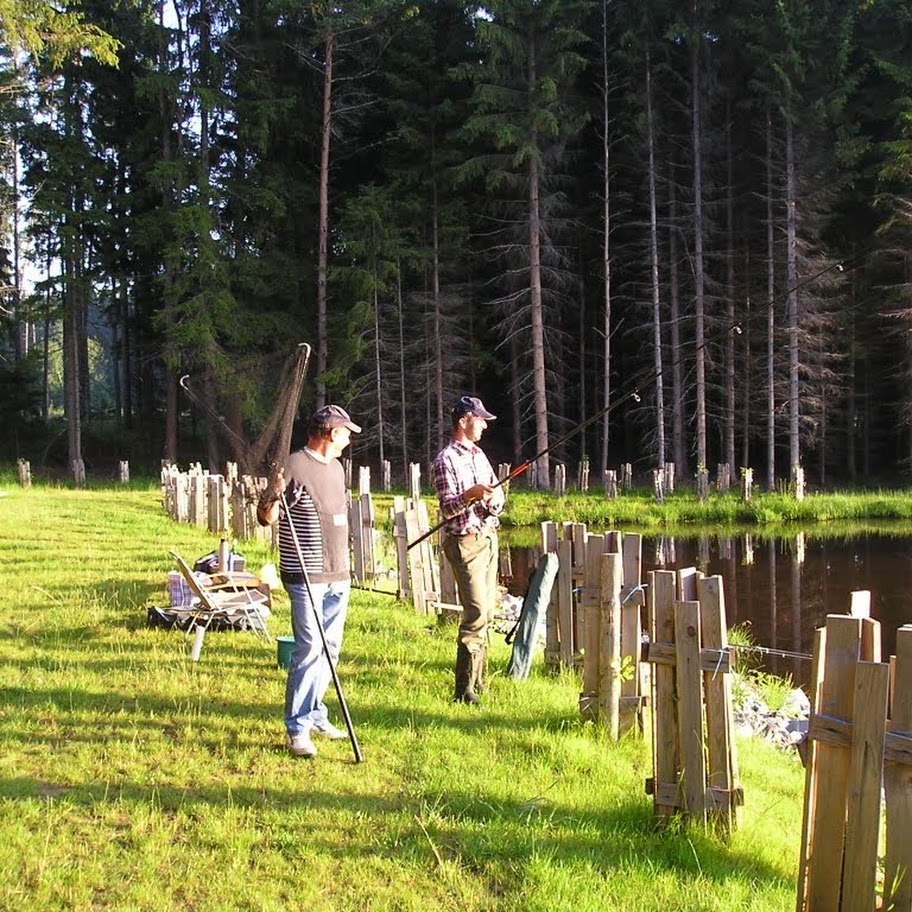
(531, 616)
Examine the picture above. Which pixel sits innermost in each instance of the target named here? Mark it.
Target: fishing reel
(495, 506)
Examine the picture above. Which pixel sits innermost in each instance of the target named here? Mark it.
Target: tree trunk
(677, 363)
(606, 249)
(515, 403)
(851, 391)
(729, 423)
(323, 228)
(73, 321)
(24, 325)
(213, 430)
(171, 356)
(747, 368)
(378, 375)
(126, 355)
(441, 429)
(403, 424)
(792, 280)
(656, 294)
(699, 281)
(72, 369)
(535, 291)
(770, 314)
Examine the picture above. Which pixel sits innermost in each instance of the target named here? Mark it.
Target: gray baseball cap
(331, 416)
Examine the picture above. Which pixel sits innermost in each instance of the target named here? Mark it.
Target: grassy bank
(682, 513)
(134, 779)
(682, 509)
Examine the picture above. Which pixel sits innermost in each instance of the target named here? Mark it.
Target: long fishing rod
(304, 352)
(210, 412)
(633, 393)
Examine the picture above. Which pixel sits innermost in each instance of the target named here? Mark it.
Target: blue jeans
(309, 673)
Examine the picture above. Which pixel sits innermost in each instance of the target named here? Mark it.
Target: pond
(782, 587)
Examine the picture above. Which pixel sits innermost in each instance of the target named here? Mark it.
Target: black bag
(209, 563)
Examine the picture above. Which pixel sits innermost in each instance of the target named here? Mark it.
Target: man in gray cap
(309, 500)
(470, 501)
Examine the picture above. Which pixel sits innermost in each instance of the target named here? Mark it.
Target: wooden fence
(595, 622)
(418, 568)
(222, 504)
(695, 767)
(858, 778)
(362, 519)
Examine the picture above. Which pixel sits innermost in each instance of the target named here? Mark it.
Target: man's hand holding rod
(268, 507)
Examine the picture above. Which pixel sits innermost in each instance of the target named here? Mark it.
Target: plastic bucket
(284, 647)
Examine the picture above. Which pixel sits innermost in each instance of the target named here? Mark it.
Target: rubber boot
(478, 670)
(465, 676)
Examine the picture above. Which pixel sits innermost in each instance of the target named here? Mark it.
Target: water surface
(782, 587)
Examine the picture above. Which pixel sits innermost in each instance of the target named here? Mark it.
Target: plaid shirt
(456, 468)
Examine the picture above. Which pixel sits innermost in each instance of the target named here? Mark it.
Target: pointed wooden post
(610, 577)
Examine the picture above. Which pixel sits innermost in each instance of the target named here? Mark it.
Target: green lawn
(133, 779)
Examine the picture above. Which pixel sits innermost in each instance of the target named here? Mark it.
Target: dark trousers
(473, 558)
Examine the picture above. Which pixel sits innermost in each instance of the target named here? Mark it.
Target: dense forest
(685, 227)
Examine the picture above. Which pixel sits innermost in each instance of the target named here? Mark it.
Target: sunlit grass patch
(132, 778)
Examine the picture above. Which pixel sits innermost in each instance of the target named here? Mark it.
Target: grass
(134, 779)
(836, 513)
(682, 510)
(749, 681)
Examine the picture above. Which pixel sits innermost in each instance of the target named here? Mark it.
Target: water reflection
(783, 587)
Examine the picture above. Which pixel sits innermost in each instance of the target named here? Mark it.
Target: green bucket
(284, 647)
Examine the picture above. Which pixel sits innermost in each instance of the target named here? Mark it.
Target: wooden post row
(419, 571)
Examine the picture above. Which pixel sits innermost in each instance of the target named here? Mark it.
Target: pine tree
(523, 119)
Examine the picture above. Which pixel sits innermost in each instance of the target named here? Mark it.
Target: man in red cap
(470, 500)
(311, 507)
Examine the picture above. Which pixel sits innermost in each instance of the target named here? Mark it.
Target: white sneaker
(301, 746)
(328, 730)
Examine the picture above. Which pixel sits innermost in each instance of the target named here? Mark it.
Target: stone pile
(785, 727)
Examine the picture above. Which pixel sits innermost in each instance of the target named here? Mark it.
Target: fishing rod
(296, 378)
(633, 394)
(389, 592)
(184, 383)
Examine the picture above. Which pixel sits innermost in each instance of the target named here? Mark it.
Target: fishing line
(784, 653)
(634, 393)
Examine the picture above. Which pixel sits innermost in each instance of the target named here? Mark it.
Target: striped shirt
(457, 467)
(316, 521)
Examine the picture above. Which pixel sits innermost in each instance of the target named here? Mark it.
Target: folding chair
(229, 601)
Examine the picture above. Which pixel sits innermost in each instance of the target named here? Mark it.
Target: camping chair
(230, 601)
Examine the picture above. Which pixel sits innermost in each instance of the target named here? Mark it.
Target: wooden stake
(869, 722)
(610, 576)
(898, 786)
(690, 708)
